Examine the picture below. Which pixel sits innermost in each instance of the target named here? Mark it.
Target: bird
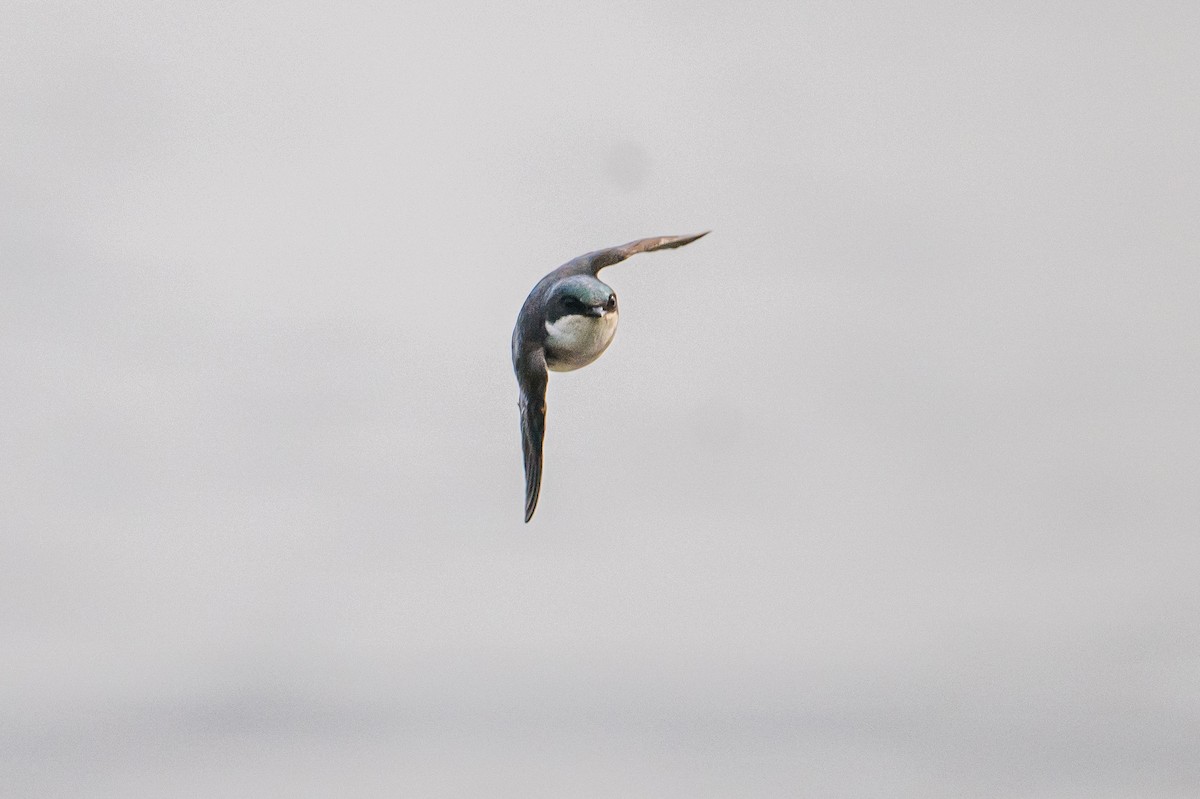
(568, 321)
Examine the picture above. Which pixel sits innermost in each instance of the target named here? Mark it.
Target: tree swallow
(567, 321)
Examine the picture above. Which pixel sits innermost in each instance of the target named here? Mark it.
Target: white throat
(574, 341)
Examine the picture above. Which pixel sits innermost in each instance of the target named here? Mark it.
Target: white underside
(575, 341)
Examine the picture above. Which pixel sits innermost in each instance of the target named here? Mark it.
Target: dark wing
(531, 374)
(593, 262)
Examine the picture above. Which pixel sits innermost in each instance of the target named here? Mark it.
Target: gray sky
(886, 488)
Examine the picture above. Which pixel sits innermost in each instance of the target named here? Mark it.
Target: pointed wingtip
(682, 240)
(531, 499)
(666, 242)
(532, 491)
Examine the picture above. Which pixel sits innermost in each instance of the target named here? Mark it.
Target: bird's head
(580, 295)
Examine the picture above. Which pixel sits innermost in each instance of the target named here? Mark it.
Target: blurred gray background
(887, 488)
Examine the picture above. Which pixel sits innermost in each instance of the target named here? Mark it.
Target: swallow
(567, 321)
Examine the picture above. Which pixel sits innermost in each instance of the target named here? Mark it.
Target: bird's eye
(612, 302)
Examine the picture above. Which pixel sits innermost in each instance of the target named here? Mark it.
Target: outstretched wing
(531, 374)
(593, 262)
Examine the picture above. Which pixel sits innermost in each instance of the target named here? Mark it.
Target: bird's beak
(596, 310)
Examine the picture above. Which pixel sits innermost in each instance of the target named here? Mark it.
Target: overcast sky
(890, 487)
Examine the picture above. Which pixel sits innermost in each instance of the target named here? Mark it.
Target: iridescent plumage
(567, 321)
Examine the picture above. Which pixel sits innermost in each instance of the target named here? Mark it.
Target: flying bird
(567, 321)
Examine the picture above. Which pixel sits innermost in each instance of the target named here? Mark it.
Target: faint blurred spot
(627, 166)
